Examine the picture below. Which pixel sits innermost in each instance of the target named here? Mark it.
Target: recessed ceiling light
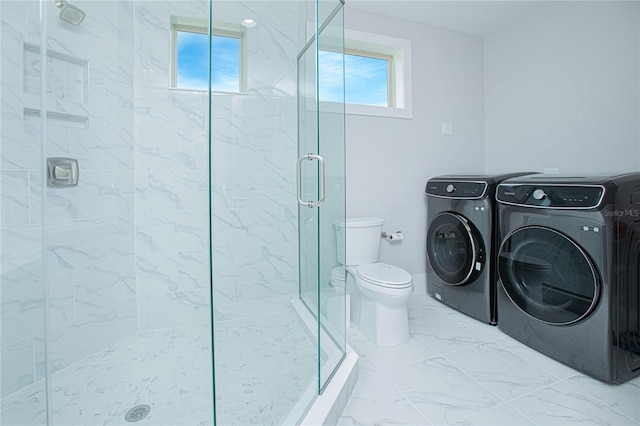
(249, 23)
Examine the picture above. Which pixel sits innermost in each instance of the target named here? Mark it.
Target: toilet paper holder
(396, 236)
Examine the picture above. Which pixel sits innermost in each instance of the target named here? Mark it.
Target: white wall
(389, 160)
(562, 90)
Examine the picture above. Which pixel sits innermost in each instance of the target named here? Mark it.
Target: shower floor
(170, 370)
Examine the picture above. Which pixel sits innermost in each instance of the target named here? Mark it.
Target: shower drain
(137, 413)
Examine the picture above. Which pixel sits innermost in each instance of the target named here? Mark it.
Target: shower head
(70, 13)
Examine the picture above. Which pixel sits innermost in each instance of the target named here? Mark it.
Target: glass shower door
(321, 169)
(105, 279)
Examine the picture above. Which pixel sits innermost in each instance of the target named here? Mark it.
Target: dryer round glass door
(454, 249)
(547, 275)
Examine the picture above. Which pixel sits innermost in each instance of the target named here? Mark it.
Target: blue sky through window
(366, 79)
(192, 66)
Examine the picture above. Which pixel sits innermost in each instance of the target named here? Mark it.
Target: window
(377, 75)
(367, 78)
(190, 67)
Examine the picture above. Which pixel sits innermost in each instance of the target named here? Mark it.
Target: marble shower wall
(128, 247)
(171, 177)
(253, 157)
(90, 252)
(254, 151)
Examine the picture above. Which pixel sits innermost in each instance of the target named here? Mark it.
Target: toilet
(379, 292)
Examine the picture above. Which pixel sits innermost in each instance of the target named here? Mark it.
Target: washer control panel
(456, 189)
(551, 196)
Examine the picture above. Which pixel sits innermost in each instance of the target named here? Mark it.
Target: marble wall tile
(193, 270)
(14, 201)
(223, 303)
(157, 273)
(153, 24)
(86, 253)
(163, 190)
(103, 147)
(246, 227)
(20, 253)
(84, 336)
(59, 142)
(252, 264)
(98, 194)
(107, 284)
(154, 232)
(256, 188)
(13, 20)
(16, 366)
(264, 298)
(35, 196)
(185, 308)
(76, 245)
(120, 235)
(171, 109)
(62, 308)
(143, 312)
(20, 142)
(171, 231)
(160, 147)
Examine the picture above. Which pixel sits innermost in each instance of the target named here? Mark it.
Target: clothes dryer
(569, 268)
(461, 242)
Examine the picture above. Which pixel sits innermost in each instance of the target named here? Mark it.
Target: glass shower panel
(127, 285)
(265, 358)
(309, 176)
(22, 303)
(321, 132)
(331, 146)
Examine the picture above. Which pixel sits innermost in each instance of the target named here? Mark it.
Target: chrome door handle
(310, 157)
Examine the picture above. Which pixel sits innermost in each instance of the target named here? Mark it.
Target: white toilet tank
(363, 239)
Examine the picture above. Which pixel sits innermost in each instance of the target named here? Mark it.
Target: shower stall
(167, 243)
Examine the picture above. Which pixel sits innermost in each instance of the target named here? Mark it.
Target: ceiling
(472, 16)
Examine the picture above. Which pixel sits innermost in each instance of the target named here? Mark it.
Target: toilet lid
(384, 275)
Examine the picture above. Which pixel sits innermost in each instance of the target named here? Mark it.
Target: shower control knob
(539, 194)
(450, 188)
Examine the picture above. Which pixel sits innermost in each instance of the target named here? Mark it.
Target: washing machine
(461, 242)
(568, 270)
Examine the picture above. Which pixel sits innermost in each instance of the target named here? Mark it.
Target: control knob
(450, 188)
(539, 194)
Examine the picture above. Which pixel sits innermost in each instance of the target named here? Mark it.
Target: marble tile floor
(457, 370)
(170, 370)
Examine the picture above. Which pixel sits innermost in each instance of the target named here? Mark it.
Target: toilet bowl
(379, 291)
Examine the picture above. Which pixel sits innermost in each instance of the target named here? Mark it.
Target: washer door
(548, 276)
(454, 249)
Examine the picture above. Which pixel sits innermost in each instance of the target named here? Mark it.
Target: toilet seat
(384, 275)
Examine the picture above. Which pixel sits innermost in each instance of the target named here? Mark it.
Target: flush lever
(62, 172)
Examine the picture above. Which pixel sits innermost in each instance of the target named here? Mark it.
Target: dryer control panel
(551, 196)
(456, 189)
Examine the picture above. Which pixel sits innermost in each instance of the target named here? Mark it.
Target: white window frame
(200, 26)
